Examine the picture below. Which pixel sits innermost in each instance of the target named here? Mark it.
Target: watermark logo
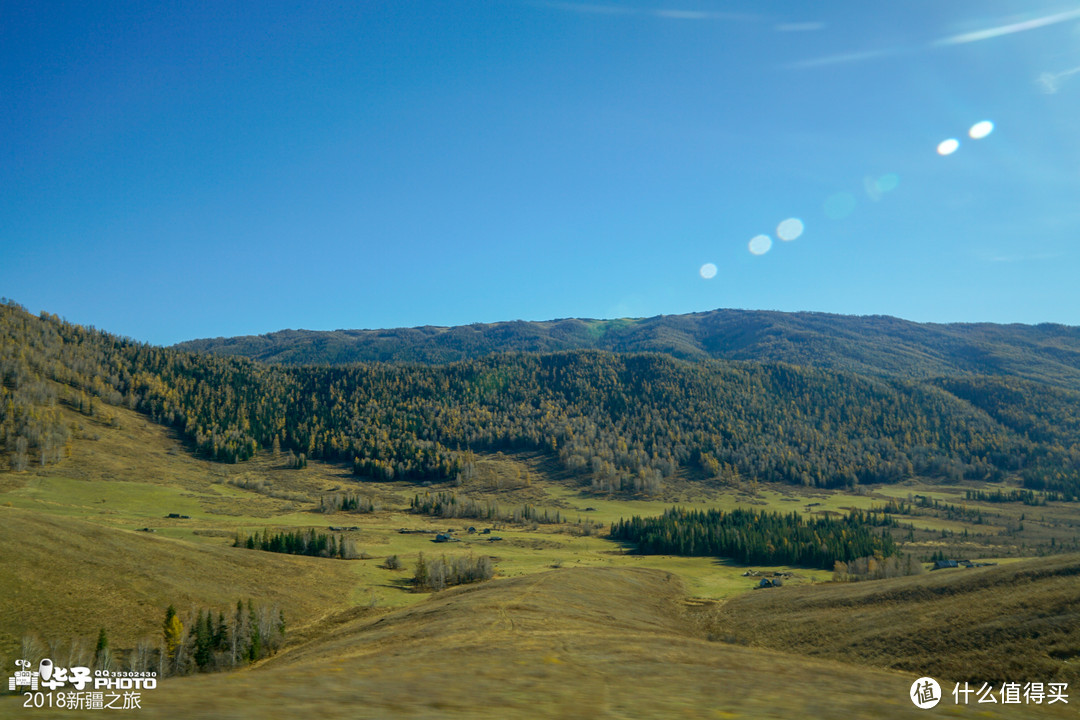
(925, 693)
(79, 688)
(24, 678)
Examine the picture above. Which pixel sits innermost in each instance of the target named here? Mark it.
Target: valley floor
(573, 625)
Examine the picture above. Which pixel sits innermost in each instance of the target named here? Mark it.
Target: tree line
(877, 568)
(442, 572)
(452, 505)
(201, 640)
(760, 538)
(346, 502)
(299, 542)
(1027, 497)
(206, 643)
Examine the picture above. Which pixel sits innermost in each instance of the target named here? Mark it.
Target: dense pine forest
(760, 538)
(620, 422)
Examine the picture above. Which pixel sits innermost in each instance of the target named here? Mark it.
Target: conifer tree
(255, 646)
(239, 633)
(102, 655)
(221, 635)
(203, 639)
(420, 578)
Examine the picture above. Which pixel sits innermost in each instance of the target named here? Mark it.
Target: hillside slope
(875, 345)
(568, 643)
(67, 578)
(1018, 622)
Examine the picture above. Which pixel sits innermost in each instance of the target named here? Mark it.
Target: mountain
(624, 422)
(872, 345)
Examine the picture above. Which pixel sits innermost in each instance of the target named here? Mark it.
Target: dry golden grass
(63, 578)
(574, 643)
(1015, 622)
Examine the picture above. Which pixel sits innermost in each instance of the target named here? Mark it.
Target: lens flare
(980, 130)
(708, 271)
(888, 182)
(840, 205)
(760, 244)
(948, 147)
(871, 187)
(789, 229)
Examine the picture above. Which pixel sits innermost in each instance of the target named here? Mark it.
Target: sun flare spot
(980, 130)
(760, 244)
(948, 147)
(789, 229)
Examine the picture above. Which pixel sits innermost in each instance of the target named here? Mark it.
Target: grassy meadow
(573, 624)
(596, 642)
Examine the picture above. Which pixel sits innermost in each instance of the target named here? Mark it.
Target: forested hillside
(875, 345)
(621, 422)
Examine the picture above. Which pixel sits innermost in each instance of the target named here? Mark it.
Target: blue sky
(179, 170)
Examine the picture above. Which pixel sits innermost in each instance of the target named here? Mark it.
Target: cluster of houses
(943, 564)
(775, 579)
(448, 536)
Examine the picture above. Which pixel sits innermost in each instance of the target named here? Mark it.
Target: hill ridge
(871, 344)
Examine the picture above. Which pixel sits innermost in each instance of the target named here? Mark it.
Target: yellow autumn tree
(174, 631)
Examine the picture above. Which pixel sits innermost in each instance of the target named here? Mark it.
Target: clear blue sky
(179, 170)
